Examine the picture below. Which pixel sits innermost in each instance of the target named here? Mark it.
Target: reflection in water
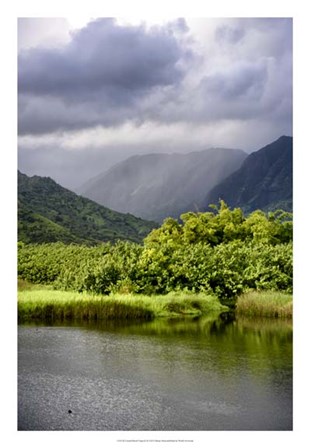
(178, 374)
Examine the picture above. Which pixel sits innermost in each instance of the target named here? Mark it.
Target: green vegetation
(220, 253)
(267, 304)
(63, 305)
(25, 285)
(48, 212)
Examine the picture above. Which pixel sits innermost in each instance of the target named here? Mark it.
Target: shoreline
(43, 304)
(67, 305)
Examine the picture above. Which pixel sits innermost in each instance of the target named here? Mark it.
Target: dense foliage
(220, 252)
(48, 213)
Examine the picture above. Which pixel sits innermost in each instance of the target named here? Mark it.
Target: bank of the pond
(64, 305)
(265, 304)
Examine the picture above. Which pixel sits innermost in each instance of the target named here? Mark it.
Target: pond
(185, 375)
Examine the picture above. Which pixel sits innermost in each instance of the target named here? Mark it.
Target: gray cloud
(105, 66)
(230, 34)
(247, 77)
(73, 168)
(108, 74)
(230, 84)
(242, 80)
(70, 169)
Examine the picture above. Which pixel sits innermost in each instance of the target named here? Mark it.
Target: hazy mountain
(155, 186)
(264, 181)
(48, 212)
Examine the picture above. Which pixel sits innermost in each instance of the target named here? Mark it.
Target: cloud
(246, 75)
(109, 74)
(113, 89)
(229, 34)
(43, 31)
(240, 81)
(104, 67)
(73, 157)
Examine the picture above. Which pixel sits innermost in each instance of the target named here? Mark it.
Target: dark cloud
(40, 115)
(105, 66)
(109, 74)
(113, 90)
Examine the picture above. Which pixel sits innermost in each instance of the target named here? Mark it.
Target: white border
(143, 9)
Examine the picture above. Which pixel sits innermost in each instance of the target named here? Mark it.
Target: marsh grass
(24, 285)
(265, 304)
(64, 305)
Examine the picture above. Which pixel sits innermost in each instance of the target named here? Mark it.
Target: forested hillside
(48, 212)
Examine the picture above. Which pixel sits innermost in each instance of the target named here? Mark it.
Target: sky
(94, 91)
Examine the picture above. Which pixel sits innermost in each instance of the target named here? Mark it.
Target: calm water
(177, 375)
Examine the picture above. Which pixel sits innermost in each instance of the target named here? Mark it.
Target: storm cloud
(108, 90)
(98, 77)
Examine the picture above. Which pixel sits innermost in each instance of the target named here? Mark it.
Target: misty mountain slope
(48, 212)
(264, 181)
(155, 186)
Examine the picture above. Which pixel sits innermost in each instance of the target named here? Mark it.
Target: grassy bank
(265, 304)
(64, 305)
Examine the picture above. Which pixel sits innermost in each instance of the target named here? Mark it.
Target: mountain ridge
(264, 180)
(154, 186)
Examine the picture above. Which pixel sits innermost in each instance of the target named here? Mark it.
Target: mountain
(48, 212)
(264, 181)
(155, 186)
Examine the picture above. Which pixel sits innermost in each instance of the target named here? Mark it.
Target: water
(164, 375)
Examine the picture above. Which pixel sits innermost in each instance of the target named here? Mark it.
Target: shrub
(220, 253)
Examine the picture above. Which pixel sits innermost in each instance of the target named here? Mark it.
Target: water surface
(164, 375)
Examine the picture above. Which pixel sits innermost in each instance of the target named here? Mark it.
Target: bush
(224, 254)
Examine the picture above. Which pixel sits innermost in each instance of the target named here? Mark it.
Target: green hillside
(48, 212)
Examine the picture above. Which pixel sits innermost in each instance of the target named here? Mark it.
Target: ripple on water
(131, 379)
(96, 404)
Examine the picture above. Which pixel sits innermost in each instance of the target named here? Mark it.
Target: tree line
(221, 252)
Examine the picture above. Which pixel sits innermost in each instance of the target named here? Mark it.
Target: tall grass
(265, 304)
(64, 305)
(25, 285)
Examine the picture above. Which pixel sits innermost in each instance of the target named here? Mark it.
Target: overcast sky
(93, 92)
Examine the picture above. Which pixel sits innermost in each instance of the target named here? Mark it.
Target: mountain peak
(264, 181)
